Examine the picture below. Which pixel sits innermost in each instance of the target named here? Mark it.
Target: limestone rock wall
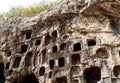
(77, 41)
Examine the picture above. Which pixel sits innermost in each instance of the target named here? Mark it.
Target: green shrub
(26, 11)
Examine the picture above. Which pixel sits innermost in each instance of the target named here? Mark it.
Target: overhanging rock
(76, 41)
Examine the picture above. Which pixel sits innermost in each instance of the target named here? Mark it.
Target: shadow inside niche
(2, 78)
(31, 78)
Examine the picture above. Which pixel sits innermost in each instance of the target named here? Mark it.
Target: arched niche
(17, 62)
(38, 42)
(116, 70)
(42, 71)
(31, 78)
(92, 75)
(75, 59)
(44, 55)
(63, 46)
(51, 64)
(28, 34)
(54, 35)
(65, 37)
(47, 39)
(61, 80)
(24, 48)
(102, 53)
(76, 47)
(28, 59)
(61, 62)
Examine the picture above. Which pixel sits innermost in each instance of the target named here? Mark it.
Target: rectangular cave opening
(43, 55)
(63, 46)
(17, 62)
(61, 62)
(54, 49)
(28, 34)
(77, 47)
(91, 42)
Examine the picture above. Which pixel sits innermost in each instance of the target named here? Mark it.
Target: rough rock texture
(77, 41)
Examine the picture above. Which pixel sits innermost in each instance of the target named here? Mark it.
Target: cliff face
(77, 41)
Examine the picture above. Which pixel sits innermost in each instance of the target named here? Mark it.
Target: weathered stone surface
(77, 41)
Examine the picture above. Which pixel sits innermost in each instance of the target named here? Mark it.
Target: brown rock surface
(77, 41)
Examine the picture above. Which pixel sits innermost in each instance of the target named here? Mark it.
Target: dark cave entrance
(92, 75)
(31, 78)
(61, 80)
(2, 78)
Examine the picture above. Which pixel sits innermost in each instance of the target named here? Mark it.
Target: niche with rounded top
(54, 36)
(92, 75)
(31, 78)
(50, 74)
(51, 64)
(43, 55)
(61, 80)
(116, 71)
(54, 49)
(65, 37)
(63, 46)
(61, 62)
(76, 47)
(28, 34)
(17, 62)
(102, 53)
(24, 48)
(28, 59)
(47, 39)
(75, 59)
(38, 42)
(42, 71)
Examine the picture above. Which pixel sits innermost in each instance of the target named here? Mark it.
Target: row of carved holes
(61, 63)
(94, 74)
(91, 75)
(48, 38)
(38, 42)
(28, 61)
(24, 47)
(76, 46)
(75, 58)
(31, 78)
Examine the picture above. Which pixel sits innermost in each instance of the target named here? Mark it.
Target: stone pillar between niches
(105, 73)
(68, 79)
